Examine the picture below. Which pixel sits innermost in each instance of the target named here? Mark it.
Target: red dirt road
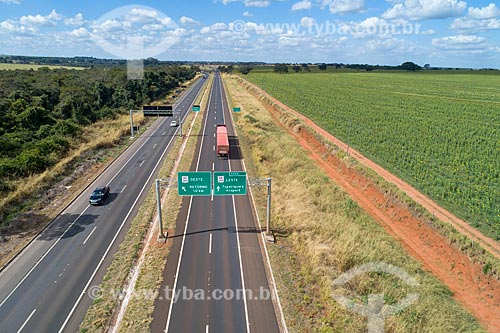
(479, 292)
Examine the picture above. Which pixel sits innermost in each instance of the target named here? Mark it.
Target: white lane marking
(222, 98)
(26, 321)
(264, 245)
(214, 135)
(114, 238)
(207, 329)
(86, 239)
(239, 256)
(155, 145)
(179, 264)
(185, 228)
(210, 244)
(40, 260)
(238, 239)
(140, 165)
(241, 265)
(213, 166)
(164, 133)
(123, 189)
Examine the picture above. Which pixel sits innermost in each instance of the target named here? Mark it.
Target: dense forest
(42, 111)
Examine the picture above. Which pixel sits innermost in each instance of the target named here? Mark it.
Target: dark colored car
(99, 195)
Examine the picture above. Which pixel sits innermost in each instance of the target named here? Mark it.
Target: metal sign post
(169, 182)
(265, 182)
(132, 122)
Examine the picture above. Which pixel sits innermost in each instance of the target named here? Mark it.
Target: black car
(99, 195)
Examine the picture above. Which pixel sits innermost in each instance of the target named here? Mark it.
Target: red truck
(222, 141)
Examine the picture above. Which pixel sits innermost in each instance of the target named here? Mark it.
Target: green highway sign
(236, 109)
(194, 183)
(230, 183)
(196, 108)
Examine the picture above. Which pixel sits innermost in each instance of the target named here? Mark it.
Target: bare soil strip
(479, 292)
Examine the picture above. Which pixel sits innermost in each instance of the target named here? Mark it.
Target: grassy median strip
(137, 317)
(323, 233)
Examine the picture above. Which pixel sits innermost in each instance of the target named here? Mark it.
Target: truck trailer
(222, 141)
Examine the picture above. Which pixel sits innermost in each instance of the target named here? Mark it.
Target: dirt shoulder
(477, 291)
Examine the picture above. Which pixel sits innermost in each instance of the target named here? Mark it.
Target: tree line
(41, 112)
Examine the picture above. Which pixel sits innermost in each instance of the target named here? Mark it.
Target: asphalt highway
(45, 288)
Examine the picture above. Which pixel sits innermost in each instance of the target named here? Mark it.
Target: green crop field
(438, 131)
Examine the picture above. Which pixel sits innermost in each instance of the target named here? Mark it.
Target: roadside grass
(105, 134)
(138, 315)
(33, 195)
(322, 233)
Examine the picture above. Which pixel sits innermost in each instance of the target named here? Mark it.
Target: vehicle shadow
(110, 199)
(59, 227)
(228, 229)
(234, 148)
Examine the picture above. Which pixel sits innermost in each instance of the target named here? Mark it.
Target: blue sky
(438, 32)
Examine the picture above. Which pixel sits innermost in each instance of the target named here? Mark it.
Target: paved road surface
(211, 263)
(43, 289)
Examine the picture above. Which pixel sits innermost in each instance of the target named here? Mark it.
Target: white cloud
(143, 13)
(460, 42)
(17, 2)
(11, 26)
(80, 32)
(425, 9)
(346, 6)
(472, 25)
(8, 25)
(257, 3)
(488, 12)
(307, 22)
(153, 27)
(39, 20)
(77, 20)
(188, 21)
(247, 14)
(393, 45)
(302, 5)
(167, 22)
(110, 25)
(214, 27)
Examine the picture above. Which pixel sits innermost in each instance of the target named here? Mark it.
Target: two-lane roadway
(45, 288)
